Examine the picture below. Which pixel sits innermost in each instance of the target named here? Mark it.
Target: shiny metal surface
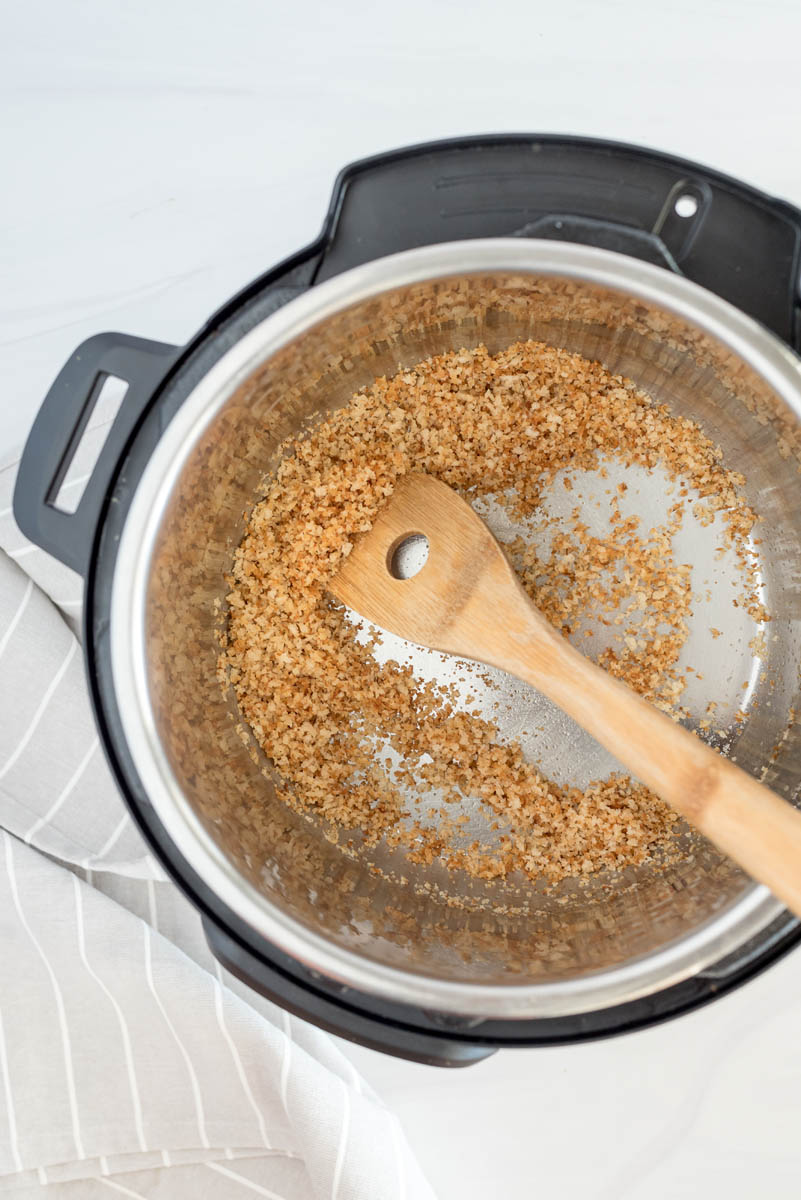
(500, 950)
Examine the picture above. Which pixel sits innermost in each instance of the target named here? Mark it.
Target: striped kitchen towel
(130, 1063)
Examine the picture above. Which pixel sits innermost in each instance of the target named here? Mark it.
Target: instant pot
(678, 277)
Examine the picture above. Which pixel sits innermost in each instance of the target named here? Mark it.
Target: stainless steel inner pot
(423, 937)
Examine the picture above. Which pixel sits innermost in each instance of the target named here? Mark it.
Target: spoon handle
(744, 818)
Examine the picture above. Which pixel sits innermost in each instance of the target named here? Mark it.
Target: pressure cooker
(677, 277)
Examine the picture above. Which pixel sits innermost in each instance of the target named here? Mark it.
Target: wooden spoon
(467, 600)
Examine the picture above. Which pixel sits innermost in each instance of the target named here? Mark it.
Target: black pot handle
(339, 1017)
(716, 231)
(58, 428)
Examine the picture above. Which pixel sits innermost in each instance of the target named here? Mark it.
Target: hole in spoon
(408, 556)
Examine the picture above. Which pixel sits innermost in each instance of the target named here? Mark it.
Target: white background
(157, 155)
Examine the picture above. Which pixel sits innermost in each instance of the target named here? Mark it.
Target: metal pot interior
(421, 921)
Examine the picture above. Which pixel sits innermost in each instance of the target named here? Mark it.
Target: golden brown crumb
(326, 713)
(758, 645)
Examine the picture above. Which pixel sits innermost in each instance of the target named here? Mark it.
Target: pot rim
(718, 937)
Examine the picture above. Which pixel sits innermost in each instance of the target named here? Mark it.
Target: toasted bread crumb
(325, 712)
